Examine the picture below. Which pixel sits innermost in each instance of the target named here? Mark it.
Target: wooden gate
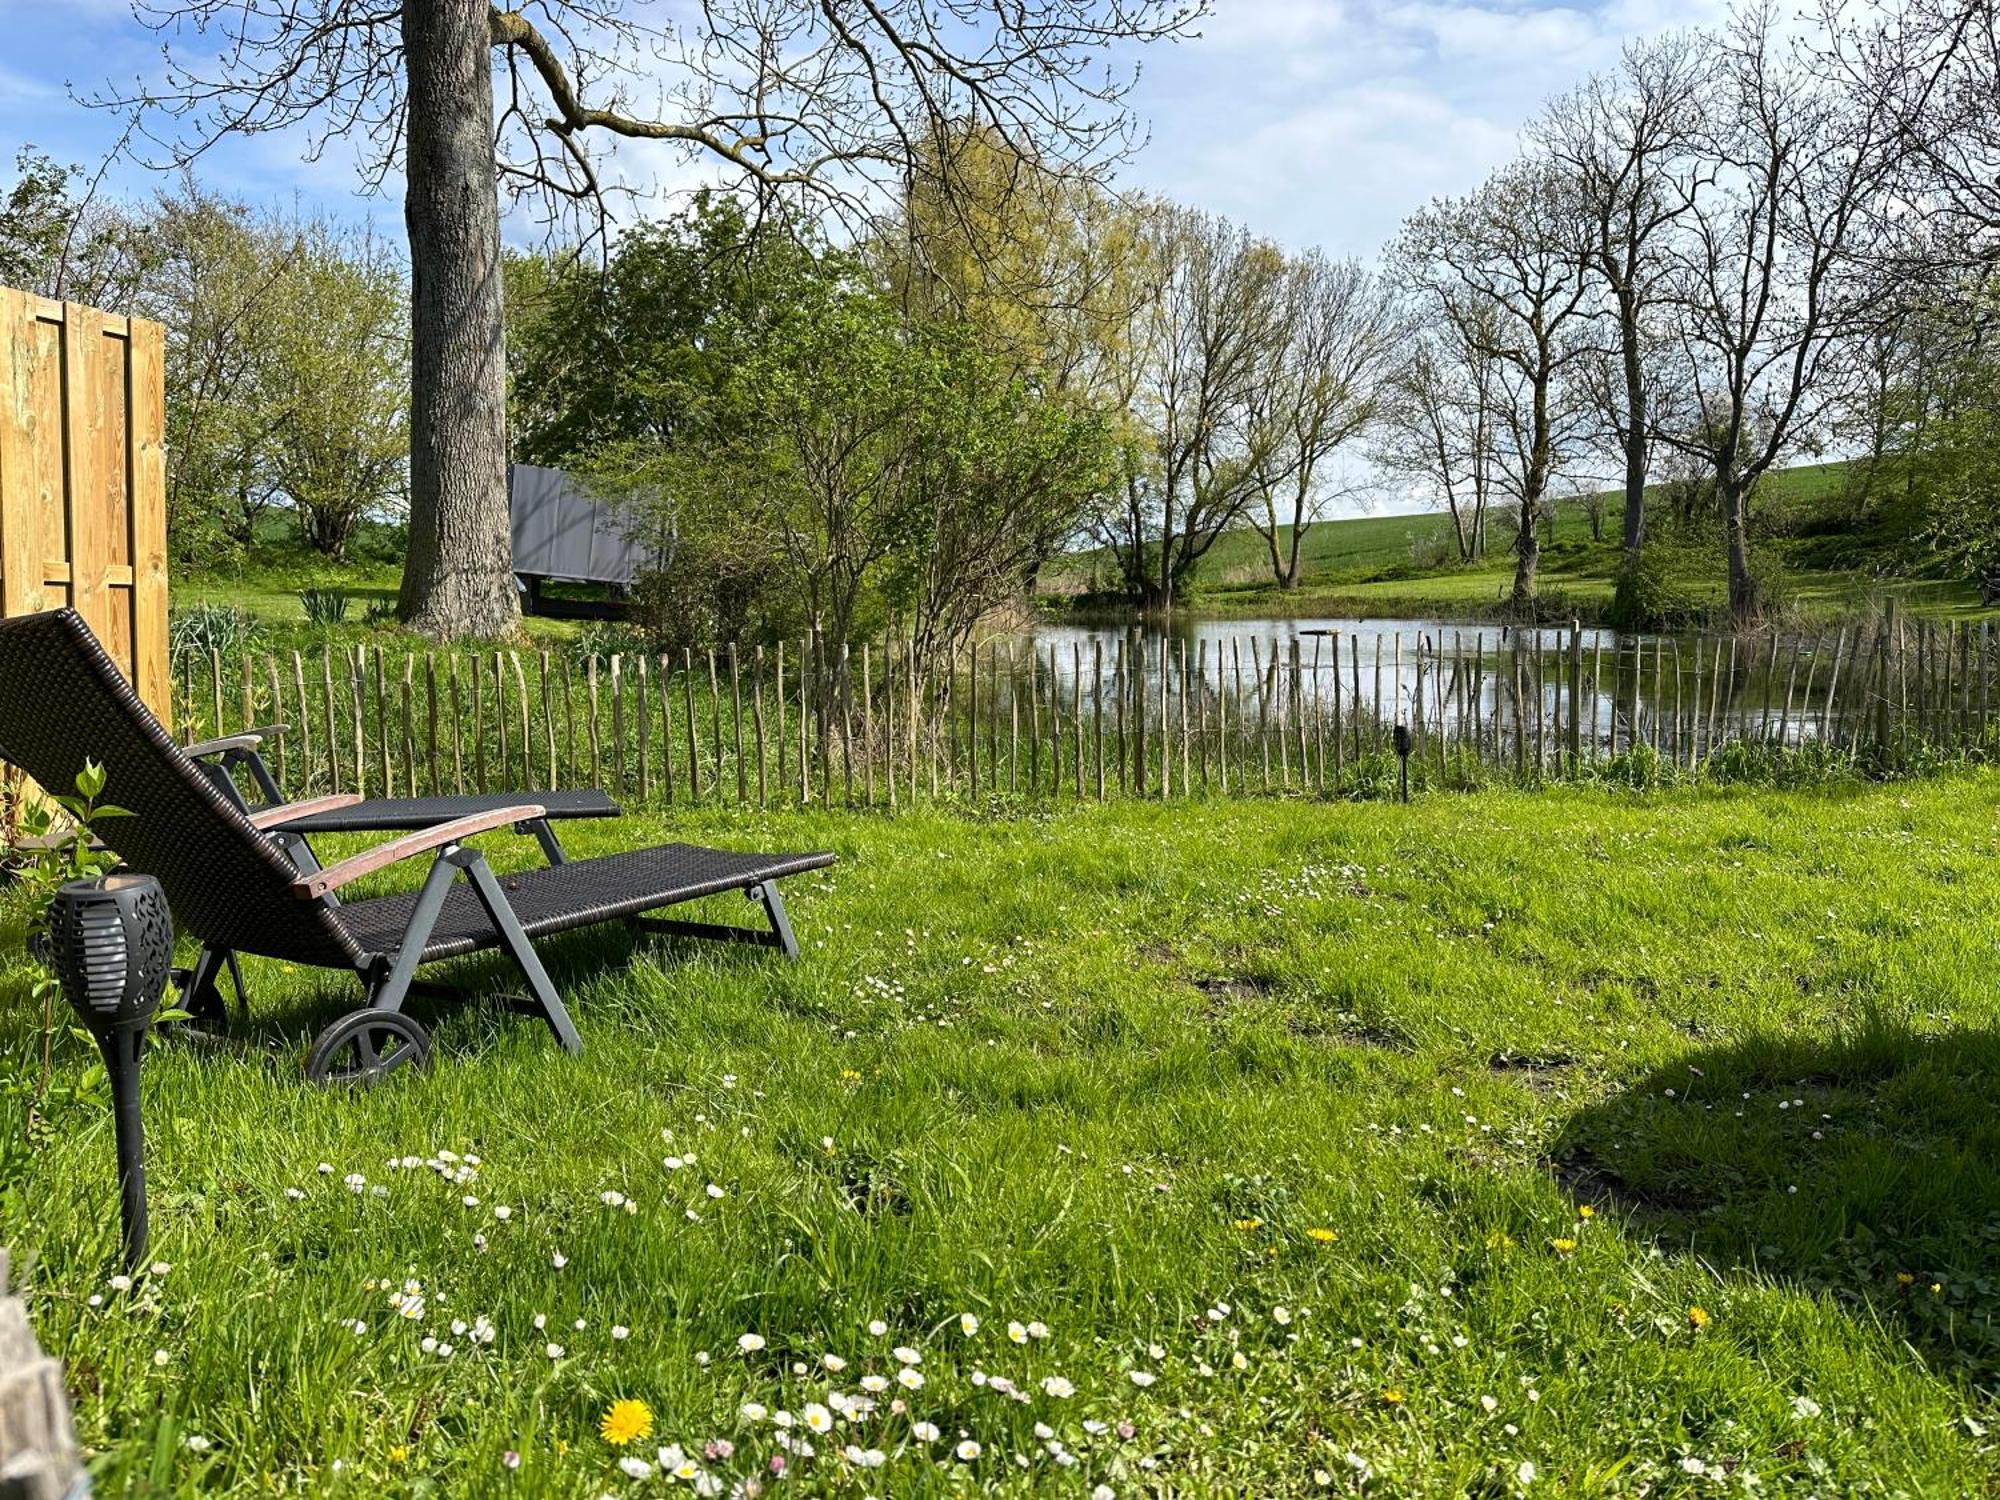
(83, 509)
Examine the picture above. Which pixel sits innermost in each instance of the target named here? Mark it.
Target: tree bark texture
(458, 576)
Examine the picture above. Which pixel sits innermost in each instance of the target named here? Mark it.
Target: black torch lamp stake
(1403, 762)
(111, 941)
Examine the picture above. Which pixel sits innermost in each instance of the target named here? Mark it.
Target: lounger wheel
(366, 1046)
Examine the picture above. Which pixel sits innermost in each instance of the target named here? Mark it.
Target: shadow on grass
(1864, 1168)
(290, 1004)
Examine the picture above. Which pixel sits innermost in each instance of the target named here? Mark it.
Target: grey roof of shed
(561, 531)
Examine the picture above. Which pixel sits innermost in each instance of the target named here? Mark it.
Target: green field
(1577, 1143)
(1382, 566)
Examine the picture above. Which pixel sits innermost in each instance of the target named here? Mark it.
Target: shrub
(194, 632)
(323, 607)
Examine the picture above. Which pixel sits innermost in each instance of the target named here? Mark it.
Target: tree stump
(39, 1458)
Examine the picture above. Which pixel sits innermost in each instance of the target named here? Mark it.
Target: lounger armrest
(334, 876)
(277, 817)
(249, 739)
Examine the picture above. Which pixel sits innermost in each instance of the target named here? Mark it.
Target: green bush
(323, 607)
(194, 632)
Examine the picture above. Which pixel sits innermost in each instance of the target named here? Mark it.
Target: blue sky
(1314, 121)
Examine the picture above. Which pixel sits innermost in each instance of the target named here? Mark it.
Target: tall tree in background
(1767, 293)
(1324, 389)
(1625, 144)
(1500, 269)
(1439, 414)
(819, 105)
(1204, 342)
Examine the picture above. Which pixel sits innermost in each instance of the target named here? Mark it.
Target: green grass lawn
(1572, 1143)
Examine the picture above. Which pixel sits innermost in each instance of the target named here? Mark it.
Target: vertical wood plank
(146, 512)
(618, 723)
(757, 718)
(736, 722)
(643, 712)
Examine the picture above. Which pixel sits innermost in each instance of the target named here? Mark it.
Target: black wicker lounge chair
(242, 754)
(234, 887)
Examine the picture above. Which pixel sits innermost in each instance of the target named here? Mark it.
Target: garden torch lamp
(110, 941)
(1403, 761)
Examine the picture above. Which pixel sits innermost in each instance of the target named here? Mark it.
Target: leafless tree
(1202, 346)
(1767, 295)
(1437, 429)
(1324, 389)
(1624, 141)
(809, 103)
(1931, 70)
(1501, 268)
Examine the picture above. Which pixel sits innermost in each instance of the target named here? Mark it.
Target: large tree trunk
(1527, 559)
(458, 577)
(1746, 604)
(1635, 436)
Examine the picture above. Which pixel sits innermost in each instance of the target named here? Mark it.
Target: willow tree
(827, 106)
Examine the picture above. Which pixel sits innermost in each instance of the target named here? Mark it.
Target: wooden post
(1097, 707)
(643, 712)
(357, 687)
(457, 729)
(500, 722)
(549, 726)
(757, 716)
(693, 749)
(664, 665)
(591, 722)
(406, 700)
(715, 719)
(736, 724)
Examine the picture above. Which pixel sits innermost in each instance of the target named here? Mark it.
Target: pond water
(1679, 691)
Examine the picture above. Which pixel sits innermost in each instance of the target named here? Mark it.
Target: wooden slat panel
(92, 465)
(146, 436)
(22, 549)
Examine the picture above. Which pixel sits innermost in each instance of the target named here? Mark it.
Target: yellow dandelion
(1392, 1396)
(1585, 1211)
(398, 1454)
(1562, 1247)
(1697, 1318)
(1936, 1288)
(1246, 1225)
(1324, 1236)
(626, 1421)
(1904, 1278)
(848, 1075)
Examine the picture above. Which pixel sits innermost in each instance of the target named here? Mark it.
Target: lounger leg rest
(515, 941)
(764, 894)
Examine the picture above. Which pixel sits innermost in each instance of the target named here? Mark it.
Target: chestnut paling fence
(816, 722)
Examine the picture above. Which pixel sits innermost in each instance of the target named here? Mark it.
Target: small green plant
(61, 834)
(194, 632)
(605, 639)
(323, 607)
(380, 612)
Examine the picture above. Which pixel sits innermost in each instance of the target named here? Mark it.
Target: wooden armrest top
(334, 876)
(250, 739)
(276, 817)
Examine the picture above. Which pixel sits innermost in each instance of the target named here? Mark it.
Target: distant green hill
(1406, 565)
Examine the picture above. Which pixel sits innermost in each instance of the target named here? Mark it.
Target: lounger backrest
(62, 700)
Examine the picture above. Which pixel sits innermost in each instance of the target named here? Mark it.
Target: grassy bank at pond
(1405, 567)
(1571, 1142)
